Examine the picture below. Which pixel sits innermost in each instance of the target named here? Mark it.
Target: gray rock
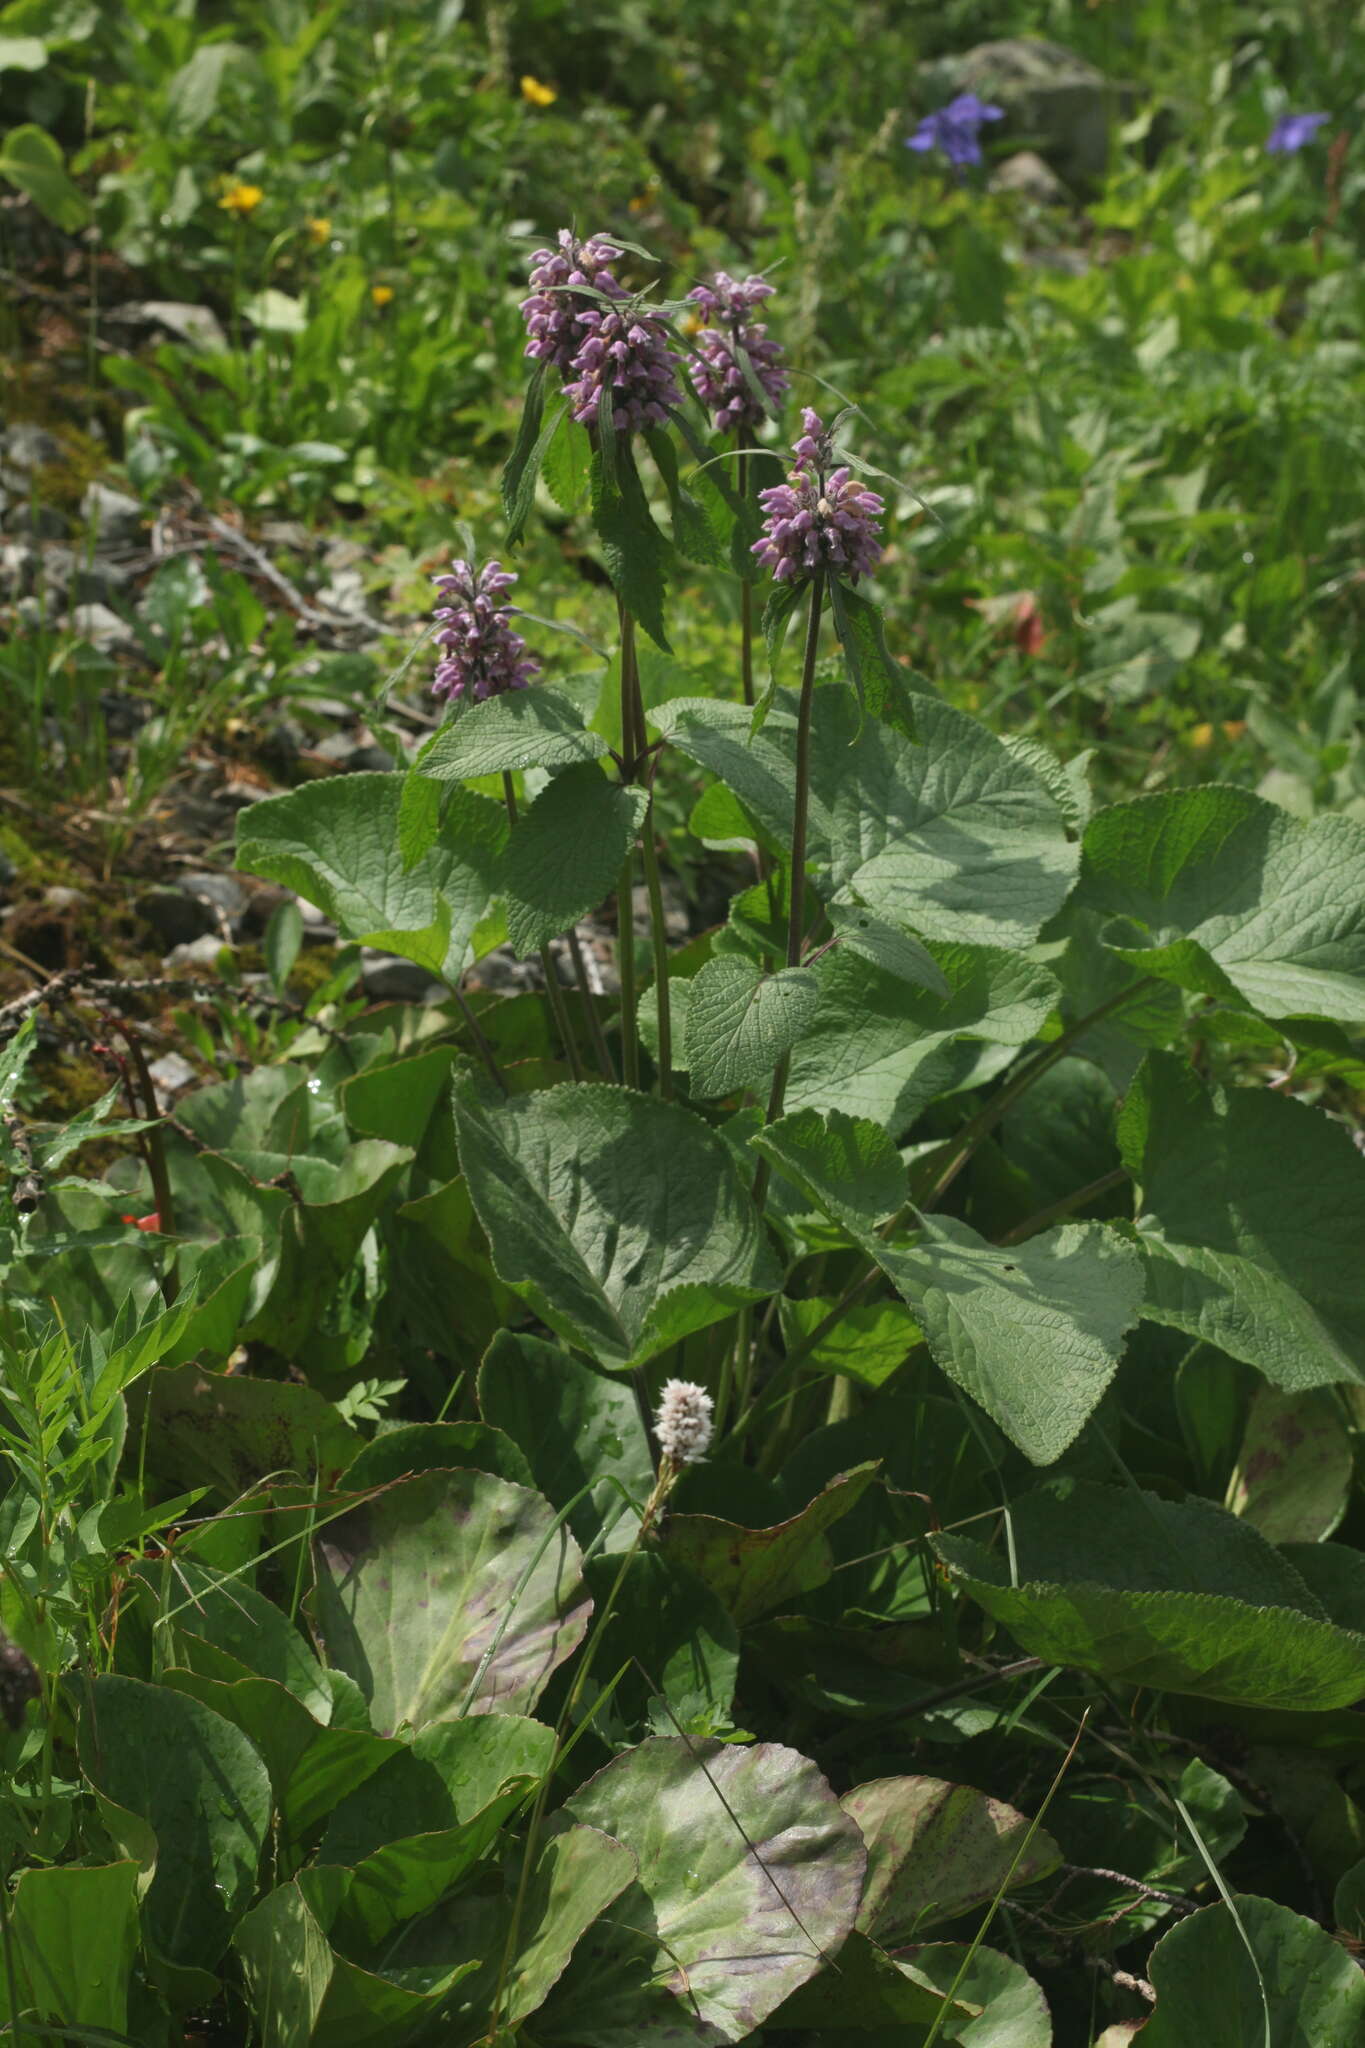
(197, 325)
(352, 754)
(104, 629)
(1026, 174)
(57, 896)
(176, 918)
(1052, 98)
(85, 580)
(116, 517)
(170, 1076)
(223, 894)
(30, 447)
(202, 952)
(387, 977)
(19, 565)
(123, 715)
(502, 972)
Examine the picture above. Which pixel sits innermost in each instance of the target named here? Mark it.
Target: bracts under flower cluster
(820, 518)
(481, 655)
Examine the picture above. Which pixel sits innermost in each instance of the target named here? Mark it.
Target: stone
(1028, 176)
(104, 630)
(170, 1076)
(202, 952)
(177, 919)
(83, 579)
(19, 565)
(388, 977)
(29, 447)
(353, 754)
(224, 894)
(116, 518)
(1052, 99)
(57, 896)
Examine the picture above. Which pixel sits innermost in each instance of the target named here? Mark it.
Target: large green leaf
(750, 1874)
(200, 1786)
(1013, 2012)
(1164, 1593)
(619, 1217)
(566, 853)
(951, 835)
(311, 1767)
(31, 160)
(337, 843)
(880, 1047)
(1297, 1988)
(1251, 1221)
(448, 1594)
(935, 1850)
(223, 1610)
(232, 1430)
(578, 1428)
(302, 1994)
(637, 556)
(871, 1992)
(741, 1021)
(1032, 1332)
(754, 1570)
(537, 728)
(1228, 895)
(1292, 1479)
(72, 1935)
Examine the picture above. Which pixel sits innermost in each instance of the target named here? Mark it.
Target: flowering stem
(660, 938)
(580, 968)
(796, 881)
(552, 988)
(746, 596)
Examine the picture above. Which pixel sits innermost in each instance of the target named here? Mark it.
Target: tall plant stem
(625, 888)
(796, 879)
(552, 988)
(595, 1031)
(633, 749)
(746, 598)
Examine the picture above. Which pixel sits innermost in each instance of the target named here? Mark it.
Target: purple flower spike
(954, 129)
(731, 333)
(581, 318)
(481, 655)
(1292, 131)
(820, 518)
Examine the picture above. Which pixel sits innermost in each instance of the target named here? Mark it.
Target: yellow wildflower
(380, 294)
(242, 199)
(537, 95)
(692, 323)
(319, 228)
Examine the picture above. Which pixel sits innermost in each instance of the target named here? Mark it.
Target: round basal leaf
(1175, 1594)
(566, 853)
(1293, 1474)
(754, 1570)
(741, 1021)
(750, 1874)
(1014, 2011)
(949, 834)
(1226, 894)
(1302, 1990)
(336, 842)
(448, 1594)
(73, 1938)
(210, 1813)
(1251, 1221)
(619, 1217)
(529, 729)
(934, 1850)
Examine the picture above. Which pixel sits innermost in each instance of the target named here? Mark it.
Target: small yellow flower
(242, 199)
(1201, 736)
(537, 95)
(692, 323)
(380, 294)
(319, 228)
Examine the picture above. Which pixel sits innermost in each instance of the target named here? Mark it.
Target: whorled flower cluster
(581, 318)
(683, 1421)
(820, 518)
(481, 654)
(730, 336)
